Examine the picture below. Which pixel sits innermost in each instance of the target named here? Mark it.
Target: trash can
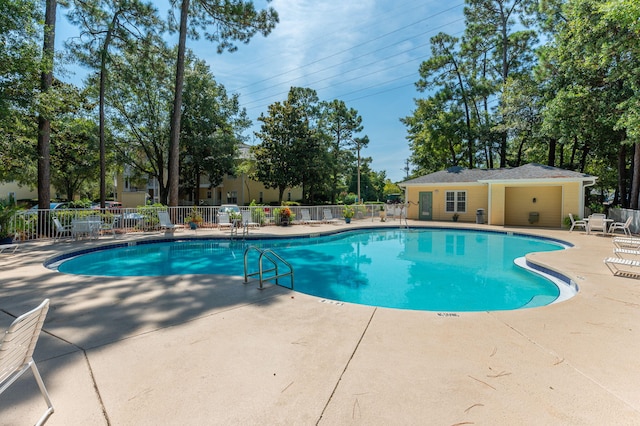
(480, 216)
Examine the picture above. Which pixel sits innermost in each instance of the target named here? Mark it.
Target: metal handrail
(266, 253)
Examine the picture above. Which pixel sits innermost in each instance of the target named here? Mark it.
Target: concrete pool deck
(210, 350)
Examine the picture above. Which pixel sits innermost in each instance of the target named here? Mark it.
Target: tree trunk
(552, 152)
(622, 187)
(196, 195)
(174, 140)
(281, 194)
(103, 84)
(44, 125)
(635, 180)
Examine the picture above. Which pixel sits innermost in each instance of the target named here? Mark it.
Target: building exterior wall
(476, 198)
(242, 191)
(12, 189)
(523, 202)
(571, 200)
(504, 203)
(133, 199)
(496, 204)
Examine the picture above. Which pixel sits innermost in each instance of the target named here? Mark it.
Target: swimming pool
(422, 269)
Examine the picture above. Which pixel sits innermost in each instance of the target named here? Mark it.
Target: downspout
(585, 185)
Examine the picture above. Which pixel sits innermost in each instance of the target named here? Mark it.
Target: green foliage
(20, 61)
(288, 141)
(211, 126)
(348, 212)
(231, 20)
(84, 203)
(8, 209)
(391, 188)
(339, 124)
(349, 198)
(140, 101)
(195, 216)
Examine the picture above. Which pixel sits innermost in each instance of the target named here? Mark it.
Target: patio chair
(223, 221)
(16, 352)
(9, 247)
(108, 226)
(627, 243)
(61, 230)
(247, 221)
(579, 223)
(623, 226)
(165, 223)
(620, 267)
(328, 217)
(306, 217)
(622, 252)
(597, 222)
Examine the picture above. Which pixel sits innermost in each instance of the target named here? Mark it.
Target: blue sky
(365, 53)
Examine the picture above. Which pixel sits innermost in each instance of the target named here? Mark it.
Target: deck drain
(332, 302)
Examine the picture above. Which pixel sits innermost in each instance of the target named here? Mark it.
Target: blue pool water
(423, 269)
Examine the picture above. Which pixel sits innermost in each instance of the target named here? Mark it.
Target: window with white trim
(456, 201)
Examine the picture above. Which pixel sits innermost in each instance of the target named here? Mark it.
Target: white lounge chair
(247, 221)
(627, 242)
(579, 223)
(306, 218)
(623, 267)
(623, 226)
(223, 221)
(328, 217)
(165, 223)
(9, 247)
(619, 252)
(61, 230)
(16, 352)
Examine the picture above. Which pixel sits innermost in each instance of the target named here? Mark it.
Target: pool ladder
(275, 260)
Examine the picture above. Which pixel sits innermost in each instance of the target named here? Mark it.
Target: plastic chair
(306, 217)
(247, 220)
(579, 223)
(624, 226)
(166, 224)
(223, 221)
(597, 223)
(16, 352)
(328, 217)
(61, 230)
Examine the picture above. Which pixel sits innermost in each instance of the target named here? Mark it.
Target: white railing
(38, 224)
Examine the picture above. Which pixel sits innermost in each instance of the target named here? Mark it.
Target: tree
(20, 58)
(591, 62)
(105, 24)
(358, 145)
(340, 124)
(522, 118)
(288, 140)
(498, 33)
(436, 133)
(140, 105)
(443, 121)
(212, 123)
(232, 20)
(463, 77)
